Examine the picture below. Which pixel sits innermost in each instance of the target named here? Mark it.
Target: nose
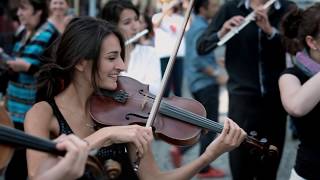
(136, 26)
(19, 13)
(120, 65)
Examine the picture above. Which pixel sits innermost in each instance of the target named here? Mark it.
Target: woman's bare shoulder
(39, 115)
(42, 108)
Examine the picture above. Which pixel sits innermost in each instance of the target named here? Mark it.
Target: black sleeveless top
(117, 152)
(308, 155)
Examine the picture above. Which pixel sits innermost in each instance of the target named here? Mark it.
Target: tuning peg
(263, 140)
(253, 134)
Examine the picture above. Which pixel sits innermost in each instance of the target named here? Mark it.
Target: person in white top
(167, 26)
(142, 62)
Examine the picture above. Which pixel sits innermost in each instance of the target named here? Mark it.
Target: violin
(179, 121)
(10, 138)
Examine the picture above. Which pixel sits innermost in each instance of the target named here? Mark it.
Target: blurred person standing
(300, 87)
(59, 14)
(202, 72)
(255, 58)
(146, 23)
(167, 25)
(8, 25)
(36, 34)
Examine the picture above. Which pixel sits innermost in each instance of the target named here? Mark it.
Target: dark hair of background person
(38, 5)
(113, 8)
(81, 40)
(297, 24)
(149, 24)
(200, 3)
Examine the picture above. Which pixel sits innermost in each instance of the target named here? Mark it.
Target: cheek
(126, 30)
(104, 68)
(26, 12)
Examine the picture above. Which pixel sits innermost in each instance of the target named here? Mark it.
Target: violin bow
(156, 104)
(157, 101)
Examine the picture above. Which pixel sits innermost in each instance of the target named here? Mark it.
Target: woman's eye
(112, 58)
(126, 21)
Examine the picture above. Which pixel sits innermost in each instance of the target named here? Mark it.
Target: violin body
(135, 109)
(179, 121)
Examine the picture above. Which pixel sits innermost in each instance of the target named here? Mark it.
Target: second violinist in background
(255, 58)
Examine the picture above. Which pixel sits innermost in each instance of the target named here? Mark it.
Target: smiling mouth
(114, 77)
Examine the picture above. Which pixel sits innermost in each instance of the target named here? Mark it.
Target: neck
(204, 16)
(30, 28)
(76, 95)
(315, 55)
(29, 33)
(255, 3)
(57, 17)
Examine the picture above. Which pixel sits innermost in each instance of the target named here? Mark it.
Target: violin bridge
(145, 101)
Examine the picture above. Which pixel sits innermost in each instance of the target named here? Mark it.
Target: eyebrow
(111, 52)
(128, 18)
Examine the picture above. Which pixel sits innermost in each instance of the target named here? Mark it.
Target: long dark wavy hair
(81, 40)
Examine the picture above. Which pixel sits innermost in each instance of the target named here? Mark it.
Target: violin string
(186, 113)
(188, 116)
(200, 120)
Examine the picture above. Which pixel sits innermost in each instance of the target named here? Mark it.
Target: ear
(81, 66)
(311, 42)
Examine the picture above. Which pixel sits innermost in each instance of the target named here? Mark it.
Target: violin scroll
(261, 147)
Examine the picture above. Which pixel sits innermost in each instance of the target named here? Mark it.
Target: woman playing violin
(89, 56)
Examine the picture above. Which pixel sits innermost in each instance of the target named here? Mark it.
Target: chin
(112, 86)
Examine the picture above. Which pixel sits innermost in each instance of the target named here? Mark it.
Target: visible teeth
(113, 76)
